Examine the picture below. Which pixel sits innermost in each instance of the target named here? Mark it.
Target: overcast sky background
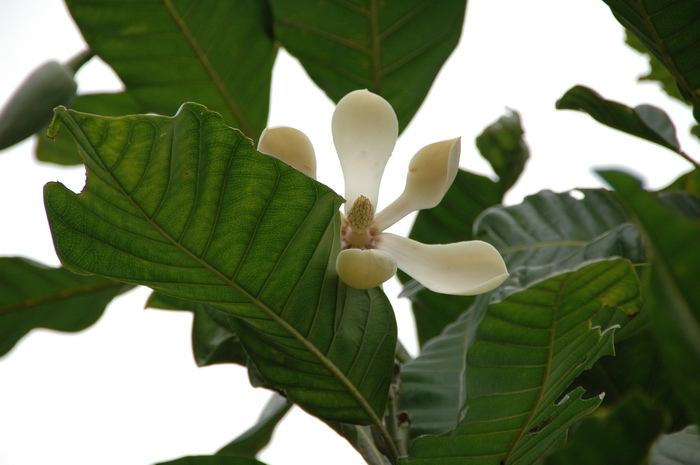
(127, 390)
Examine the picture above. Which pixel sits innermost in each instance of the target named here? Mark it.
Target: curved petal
(291, 146)
(430, 174)
(365, 269)
(365, 129)
(462, 268)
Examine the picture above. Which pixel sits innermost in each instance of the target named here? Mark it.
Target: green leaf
(219, 54)
(503, 146)
(526, 351)
(251, 442)
(35, 296)
(689, 182)
(61, 150)
(670, 29)
(213, 339)
(636, 366)
(672, 284)
(682, 448)
(622, 435)
(546, 235)
(212, 460)
(379, 46)
(657, 71)
(644, 121)
(187, 206)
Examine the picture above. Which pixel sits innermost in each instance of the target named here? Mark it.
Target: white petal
(462, 268)
(365, 129)
(291, 146)
(430, 174)
(365, 269)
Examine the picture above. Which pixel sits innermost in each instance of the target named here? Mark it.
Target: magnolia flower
(365, 130)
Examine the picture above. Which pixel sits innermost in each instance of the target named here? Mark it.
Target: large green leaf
(187, 206)
(35, 296)
(61, 150)
(644, 121)
(167, 52)
(526, 351)
(394, 49)
(503, 146)
(673, 284)
(547, 234)
(622, 435)
(671, 31)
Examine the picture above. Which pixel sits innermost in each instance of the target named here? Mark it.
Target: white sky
(127, 390)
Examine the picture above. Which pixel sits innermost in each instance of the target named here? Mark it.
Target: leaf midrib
(216, 80)
(76, 130)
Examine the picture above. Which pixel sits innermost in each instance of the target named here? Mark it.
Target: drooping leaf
(670, 29)
(36, 296)
(187, 206)
(622, 435)
(503, 146)
(379, 46)
(526, 351)
(672, 284)
(657, 71)
(252, 441)
(644, 121)
(212, 460)
(213, 339)
(219, 54)
(678, 448)
(61, 150)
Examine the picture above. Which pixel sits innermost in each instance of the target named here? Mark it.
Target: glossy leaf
(622, 435)
(379, 46)
(644, 121)
(187, 206)
(219, 54)
(672, 285)
(671, 31)
(61, 150)
(213, 338)
(252, 441)
(682, 447)
(526, 351)
(503, 146)
(35, 296)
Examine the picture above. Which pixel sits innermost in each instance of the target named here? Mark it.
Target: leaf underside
(187, 206)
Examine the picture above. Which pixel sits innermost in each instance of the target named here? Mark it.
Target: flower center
(357, 226)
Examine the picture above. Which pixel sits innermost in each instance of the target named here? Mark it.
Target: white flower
(365, 130)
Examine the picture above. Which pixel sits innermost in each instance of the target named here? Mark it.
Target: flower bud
(365, 269)
(31, 107)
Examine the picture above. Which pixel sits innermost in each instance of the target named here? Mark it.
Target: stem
(79, 60)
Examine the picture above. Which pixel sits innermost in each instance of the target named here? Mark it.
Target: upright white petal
(430, 174)
(365, 269)
(462, 268)
(365, 129)
(291, 146)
